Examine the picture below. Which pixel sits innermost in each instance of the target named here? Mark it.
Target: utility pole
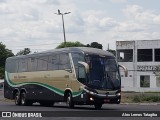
(59, 13)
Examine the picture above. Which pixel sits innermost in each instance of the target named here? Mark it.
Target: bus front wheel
(69, 101)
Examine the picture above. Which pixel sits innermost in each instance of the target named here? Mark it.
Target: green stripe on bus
(56, 90)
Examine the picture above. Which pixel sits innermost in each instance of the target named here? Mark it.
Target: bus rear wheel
(24, 100)
(69, 101)
(17, 99)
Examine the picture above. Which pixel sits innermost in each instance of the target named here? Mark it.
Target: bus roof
(85, 50)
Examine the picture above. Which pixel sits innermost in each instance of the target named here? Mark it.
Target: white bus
(75, 75)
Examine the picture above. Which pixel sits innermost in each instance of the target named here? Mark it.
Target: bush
(136, 99)
(146, 98)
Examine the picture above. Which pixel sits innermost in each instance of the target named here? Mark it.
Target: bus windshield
(103, 73)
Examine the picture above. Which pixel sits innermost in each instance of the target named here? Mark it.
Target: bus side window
(64, 61)
(42, 63)
(12, 66)
(53, 62)
(32, 64)
(22, 65)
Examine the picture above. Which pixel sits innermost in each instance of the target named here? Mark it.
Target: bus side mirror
(85, 65)
(125, 70)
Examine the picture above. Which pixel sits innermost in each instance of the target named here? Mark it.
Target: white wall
(133, 83)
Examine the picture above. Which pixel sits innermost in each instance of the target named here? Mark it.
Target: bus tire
(24, 100)
(17, 99)
(98, 106)
(69, 101)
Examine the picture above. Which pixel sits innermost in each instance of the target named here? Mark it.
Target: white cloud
(156, 35)
(96, 21)
(108, 22)
(130, 26)
(132, 10)
(5, 9)
(139, 14)
(33, 22)
(156, 19)
(118, 1)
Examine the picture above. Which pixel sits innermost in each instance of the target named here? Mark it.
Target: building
(142, 58)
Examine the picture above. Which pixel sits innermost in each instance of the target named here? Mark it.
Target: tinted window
(64, 62)
(42, 63)
(12, 66)
(22, 65)
(32, 64)
(53, 62)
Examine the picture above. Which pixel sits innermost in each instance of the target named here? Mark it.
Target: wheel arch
(15, 91)
(23, 90)
(67, 91)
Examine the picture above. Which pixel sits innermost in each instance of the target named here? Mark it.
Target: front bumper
(103, 98)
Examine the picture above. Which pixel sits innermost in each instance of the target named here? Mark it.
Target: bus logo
(6, 114)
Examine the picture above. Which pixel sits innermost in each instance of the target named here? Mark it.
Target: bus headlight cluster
(93, 93)
(90, 92)
(86, 90)
(118, 94)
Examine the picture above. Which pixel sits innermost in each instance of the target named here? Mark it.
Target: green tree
(95, 45)
(24, 52)
(157, 74)
(1, 73)
(71, 44)
(4, 54)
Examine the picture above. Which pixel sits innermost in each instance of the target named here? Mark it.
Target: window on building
(32, 64)
(144, 55)
(158, 81)
(157, 55)
(22, 65)
(42, 63)
(145, 81)
(125, 55)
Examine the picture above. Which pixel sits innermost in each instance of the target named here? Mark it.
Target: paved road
(6, 105)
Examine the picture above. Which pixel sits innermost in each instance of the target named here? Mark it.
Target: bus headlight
(86, 90)
(90, 92)
(118, 94)
(91, 99)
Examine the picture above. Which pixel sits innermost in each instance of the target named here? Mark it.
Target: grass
(140, 97)
(143, 98)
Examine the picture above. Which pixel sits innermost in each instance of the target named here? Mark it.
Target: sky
(33, 23)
